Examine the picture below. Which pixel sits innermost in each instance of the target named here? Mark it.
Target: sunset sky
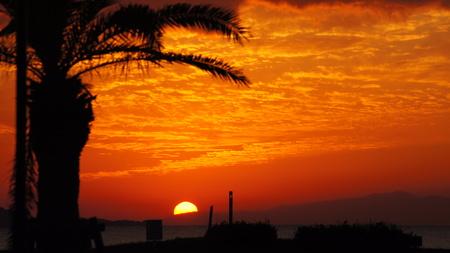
(347, 98)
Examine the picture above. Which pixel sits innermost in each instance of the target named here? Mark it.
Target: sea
(437, 237)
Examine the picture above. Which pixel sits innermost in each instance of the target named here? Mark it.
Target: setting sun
(185, 207)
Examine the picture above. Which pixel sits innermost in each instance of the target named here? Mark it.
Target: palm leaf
(126, 25)
(84, 15)
(214, 66)
(8, 6)
(135, 22)
(204, 17)
(9, 29)
(8, 9)
(8, 57)
(7, 51)
(136, 30)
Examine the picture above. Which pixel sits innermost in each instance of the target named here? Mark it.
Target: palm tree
(18, 236)
(68, 38)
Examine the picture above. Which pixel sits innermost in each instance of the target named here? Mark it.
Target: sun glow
(185, 207)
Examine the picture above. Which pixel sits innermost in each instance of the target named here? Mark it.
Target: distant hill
(120, 222)
(395, 207)
(5, 219)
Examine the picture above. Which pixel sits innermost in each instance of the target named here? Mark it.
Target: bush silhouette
(242, 233)
(373, 236)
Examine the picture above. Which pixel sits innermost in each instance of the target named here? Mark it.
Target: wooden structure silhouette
(230, 207)
(211, 210)
(154, 230)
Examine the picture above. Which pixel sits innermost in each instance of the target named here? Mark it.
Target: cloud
(321, 84)
(388, 5)
(384, 4)
(228, 3)
(4, 129)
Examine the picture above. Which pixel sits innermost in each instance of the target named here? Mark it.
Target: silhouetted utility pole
(19, 205)
(230, 207)
(211, 209)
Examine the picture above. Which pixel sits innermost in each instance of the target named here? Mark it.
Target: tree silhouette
(68, 38)
(23, 159)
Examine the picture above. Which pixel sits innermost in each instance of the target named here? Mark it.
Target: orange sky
(346, 100)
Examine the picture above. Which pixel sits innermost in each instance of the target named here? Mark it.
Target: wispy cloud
(322, 82)
(387, 5)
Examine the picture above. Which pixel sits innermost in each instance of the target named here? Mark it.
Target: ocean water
(433, 236)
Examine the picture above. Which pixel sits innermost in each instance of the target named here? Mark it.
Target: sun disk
(185, 207)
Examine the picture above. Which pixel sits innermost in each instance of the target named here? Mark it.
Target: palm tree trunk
(60, 116)
(58, 213)
(19, 207)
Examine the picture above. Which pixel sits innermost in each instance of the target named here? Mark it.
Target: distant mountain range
(395, 207)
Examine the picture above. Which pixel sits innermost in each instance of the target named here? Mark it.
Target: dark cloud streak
(378, 4)
(233, 4)
(382, 4)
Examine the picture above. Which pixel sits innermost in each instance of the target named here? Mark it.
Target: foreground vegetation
(355, 237)
(262, 237)
(198, 245)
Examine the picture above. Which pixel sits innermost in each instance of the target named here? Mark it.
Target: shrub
(373, 236)
(242, 233)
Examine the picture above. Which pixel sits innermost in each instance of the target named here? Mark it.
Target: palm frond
(8, 57)
(132, 26)
(34, 66)
(8, 6)
(129, 25)
(9, 29)
(7, 51)
(8, 9)
(94, 54)
(214, 66)
(122, 61)
(84, 14)
(137, 21)
(204, 17)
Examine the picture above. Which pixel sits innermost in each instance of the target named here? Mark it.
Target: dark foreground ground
(199, 245)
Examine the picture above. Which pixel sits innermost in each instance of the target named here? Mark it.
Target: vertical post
(230, 207)
(19, 205)
(211, 209)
